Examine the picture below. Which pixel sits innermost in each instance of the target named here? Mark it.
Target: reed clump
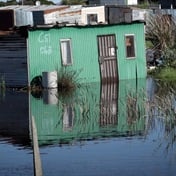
(163, 107)
(67, 81)
(164, 101)
(160, 31)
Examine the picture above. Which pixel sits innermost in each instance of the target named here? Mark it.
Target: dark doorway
(108, 58)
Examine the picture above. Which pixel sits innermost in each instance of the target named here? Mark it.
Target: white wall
(100, 11)
(132, 2)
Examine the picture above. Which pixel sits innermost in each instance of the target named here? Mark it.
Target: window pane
(92, 19)
(66, 52)
(130, 49)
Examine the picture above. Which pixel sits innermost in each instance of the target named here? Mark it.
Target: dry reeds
(160, 31)
(67, 80)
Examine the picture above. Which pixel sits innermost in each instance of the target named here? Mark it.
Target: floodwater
(126, 129)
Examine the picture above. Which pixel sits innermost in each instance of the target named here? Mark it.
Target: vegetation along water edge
(161, 36)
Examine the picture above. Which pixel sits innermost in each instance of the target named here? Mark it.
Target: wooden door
(107, 51)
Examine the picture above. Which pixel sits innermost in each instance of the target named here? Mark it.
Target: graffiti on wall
(45, 43)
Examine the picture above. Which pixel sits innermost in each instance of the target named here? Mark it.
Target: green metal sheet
(44, 51)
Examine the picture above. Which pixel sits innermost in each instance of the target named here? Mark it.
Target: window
(130, 47)
(68, 117)
(92, 19)
(66, 51)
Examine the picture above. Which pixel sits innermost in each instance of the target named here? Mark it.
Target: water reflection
(135, 121)
(161, 111)
(14, 117)
(92, 112)
(108, 104)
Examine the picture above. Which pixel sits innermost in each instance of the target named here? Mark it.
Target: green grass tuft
(167, 73)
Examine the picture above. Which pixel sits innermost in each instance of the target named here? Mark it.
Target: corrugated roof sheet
(46, 8)
(25, 15)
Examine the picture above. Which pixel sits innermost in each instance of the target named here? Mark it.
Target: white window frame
(67, 59)
(134, 46)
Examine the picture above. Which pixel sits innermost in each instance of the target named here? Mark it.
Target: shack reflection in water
(113, 129)
(92, 112)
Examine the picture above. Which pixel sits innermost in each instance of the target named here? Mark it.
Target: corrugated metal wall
(38, 17)
(115, 14)
(23, 18)
(44, 51)
(13, 60)
(130, 68)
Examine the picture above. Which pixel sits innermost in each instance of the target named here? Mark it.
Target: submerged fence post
(36, 153)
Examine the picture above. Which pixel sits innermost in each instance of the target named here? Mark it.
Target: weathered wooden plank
(37, 160)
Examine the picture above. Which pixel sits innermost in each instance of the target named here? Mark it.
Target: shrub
(67, 80)
(160, 31)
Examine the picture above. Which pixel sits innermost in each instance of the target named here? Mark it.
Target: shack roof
(27, 15)
(46, 8)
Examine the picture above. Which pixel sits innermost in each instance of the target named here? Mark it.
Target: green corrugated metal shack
(98, 52)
